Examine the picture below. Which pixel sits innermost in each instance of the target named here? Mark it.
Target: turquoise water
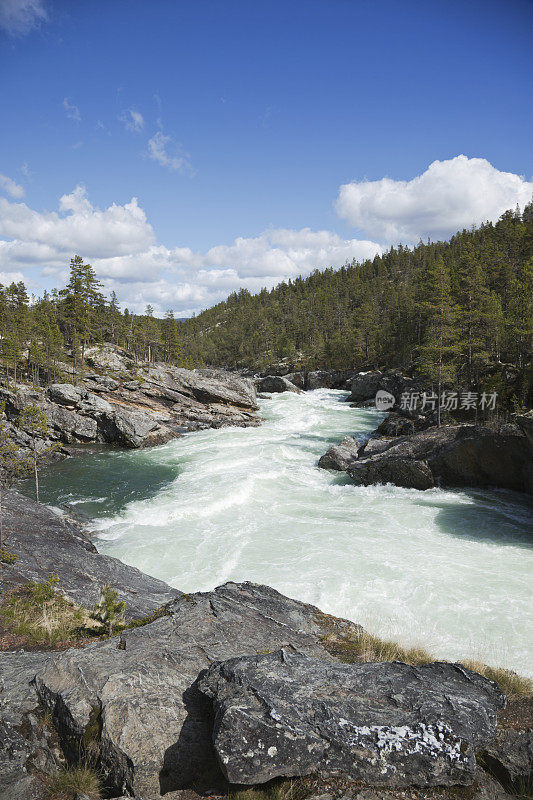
(450, 570)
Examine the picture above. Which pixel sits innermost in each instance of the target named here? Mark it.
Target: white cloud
(158, 151)
(72, 111)
(120, 244)
(448, 196)
(133, 120)
(18, 17)
(10, 277)
(12, 188)
(77, 227)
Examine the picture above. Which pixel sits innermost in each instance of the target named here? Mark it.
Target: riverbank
(444, 569)
(131, 710)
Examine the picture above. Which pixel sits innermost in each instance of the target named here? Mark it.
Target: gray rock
(218, 386)
(340, 456)
(510, 758)
(398, 424)
(109, 357)
(297, 378)
(365, 385)
(275, 384)
(26, 748)
(405, 472)
(155, 727)
(65, 394)
(285, 714)
(47, 543)
(94, 406)
(321, 379)
(453, 455)
(102, 383)
(70, 426)
(132, 429)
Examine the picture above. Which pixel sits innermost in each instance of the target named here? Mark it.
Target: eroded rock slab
(275, 384)
(154, 726)
(45, 543)
(285, 714)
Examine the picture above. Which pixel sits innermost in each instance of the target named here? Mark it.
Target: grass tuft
(278, 789)
(361, 647)
(512, 684)
(68, 782)
(40, 613)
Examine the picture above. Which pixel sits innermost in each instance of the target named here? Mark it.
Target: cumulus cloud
(158, 150)
(448, 196)
(120, 243)
(19, 17)
(12, 188)
(78, 226)
(133, 120)
(10, 277)
(72, 111)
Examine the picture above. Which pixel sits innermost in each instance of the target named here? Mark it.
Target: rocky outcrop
(453, 455)
(46, 543)
(161, 403)
(154, 727)
(365, 385)
(314, 379)
(27, 747)
(399, 423)
(341, 456)
(285, 714)
(164, 706)
(275, 384)
(324, 379)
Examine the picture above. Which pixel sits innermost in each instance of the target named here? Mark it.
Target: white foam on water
(449, 570)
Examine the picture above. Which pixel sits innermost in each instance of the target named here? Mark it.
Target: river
(447, 569)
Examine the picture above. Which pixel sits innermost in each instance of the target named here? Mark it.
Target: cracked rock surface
(285, 714)
(152, 727)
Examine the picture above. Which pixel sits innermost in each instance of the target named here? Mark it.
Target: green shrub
(109, 612)
(7, 558)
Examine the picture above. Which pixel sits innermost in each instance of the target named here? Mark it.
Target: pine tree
(33, 420)
(440, 342)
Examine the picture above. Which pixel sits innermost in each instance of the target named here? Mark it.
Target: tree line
(448, 311)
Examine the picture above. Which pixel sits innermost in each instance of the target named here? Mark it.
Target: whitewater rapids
(445, 569)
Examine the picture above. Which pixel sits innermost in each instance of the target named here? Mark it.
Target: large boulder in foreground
(454, 455)
(341, 456)
(152, 727)
(285, 714)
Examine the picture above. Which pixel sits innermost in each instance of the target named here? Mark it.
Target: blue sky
(236, 124)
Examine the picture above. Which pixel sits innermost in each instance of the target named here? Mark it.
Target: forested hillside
(459, 308)
(476, 290)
